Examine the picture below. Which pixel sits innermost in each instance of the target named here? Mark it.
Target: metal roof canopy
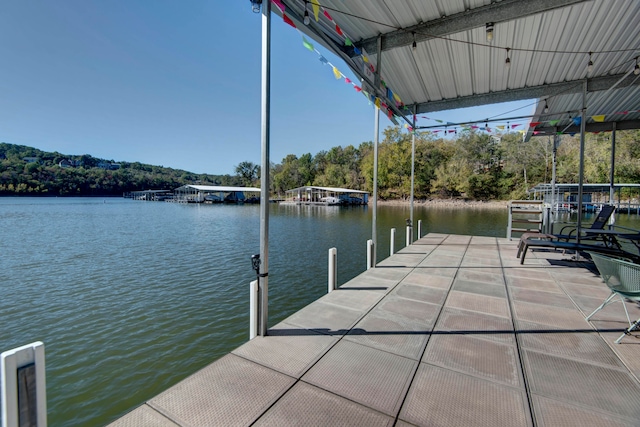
(454, 66)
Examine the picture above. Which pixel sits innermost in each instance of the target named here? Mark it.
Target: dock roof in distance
(331, 189)
(213, 188)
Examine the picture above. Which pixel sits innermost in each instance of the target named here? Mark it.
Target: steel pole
(413, 166)
(374, 219)
(581, 169)
(264, 169)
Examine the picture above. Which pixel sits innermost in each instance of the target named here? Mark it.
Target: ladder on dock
(525, 216)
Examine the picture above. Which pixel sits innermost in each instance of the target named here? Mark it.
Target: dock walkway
(450, 331)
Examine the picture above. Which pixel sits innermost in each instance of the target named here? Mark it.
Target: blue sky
(173, 83)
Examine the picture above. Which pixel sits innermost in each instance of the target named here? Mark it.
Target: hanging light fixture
(636, 69)
(507, 62)
(489, 28)
(306, 18)
(546, 107)
(414, 45)
(590, 64)
(255, 5)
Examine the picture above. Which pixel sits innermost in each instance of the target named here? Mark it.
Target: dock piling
(392, 243)
(253, 309)
(370, 254)
(333, 269)
(419, 228)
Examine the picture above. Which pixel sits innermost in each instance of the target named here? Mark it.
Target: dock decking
(450, 331)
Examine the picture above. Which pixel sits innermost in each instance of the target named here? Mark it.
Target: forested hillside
(29, 171)
(474, 166)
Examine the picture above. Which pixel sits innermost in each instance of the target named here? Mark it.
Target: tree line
(472, 165)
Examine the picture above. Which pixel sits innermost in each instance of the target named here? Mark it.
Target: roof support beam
(594, 85)
(502, 11)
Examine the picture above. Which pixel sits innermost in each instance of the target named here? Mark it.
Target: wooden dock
(450, 331)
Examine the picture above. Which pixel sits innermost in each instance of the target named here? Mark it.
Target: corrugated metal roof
(454, 66)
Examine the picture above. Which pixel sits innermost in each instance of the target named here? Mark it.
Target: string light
(590, 64)
(636, 69)
(507, 62)
(306, 18)
(489, 28)
(546, 107)
(414, 45)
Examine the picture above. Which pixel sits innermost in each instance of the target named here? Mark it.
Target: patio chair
(598, 224)
(623, 278)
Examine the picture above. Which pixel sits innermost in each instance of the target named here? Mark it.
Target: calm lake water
(130, 297)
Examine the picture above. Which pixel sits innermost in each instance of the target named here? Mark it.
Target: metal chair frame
(623, 278)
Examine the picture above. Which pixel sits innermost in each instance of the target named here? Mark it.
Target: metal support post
(370, 254)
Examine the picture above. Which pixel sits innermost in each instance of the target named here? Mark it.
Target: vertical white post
(419, 228)
(23, 386)
(370, 254)
(408, 235)
(253, 309)
(333, 269)
(392, 243)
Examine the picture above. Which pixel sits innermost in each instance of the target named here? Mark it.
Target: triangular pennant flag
(488, 129)
(327, 15)
(439, 121)
(396, 98)
(337, 73)
(347, 42)
(599, 118)
(356, 50)
(383, 105)
(534, 124)
(410, 129)
(572, 133)
(357, 88)
(365, 59)
(347, 80)
(452, 130)
(377, 102)
(501, 127)
(475, 127)
(622, 112)
(306, 44)
(436, 131)
(535, 132)
(288, 20)
(553, 122)
(577, 121)
(279, 4)
(338, 30)
(515, 125)
(558, 133)
(323, 59)
(316, 8)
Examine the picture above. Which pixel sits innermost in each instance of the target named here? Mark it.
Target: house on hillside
(109, 165)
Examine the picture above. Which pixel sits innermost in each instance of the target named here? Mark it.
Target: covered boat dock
(326, 196)
(215, 194)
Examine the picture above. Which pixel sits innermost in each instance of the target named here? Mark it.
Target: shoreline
(448, 203)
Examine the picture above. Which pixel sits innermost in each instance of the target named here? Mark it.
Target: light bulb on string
(636, 69)
(590, 64)
(546, 107)
(414, 45)
(306, 18)
(489, 29)
(507, 62)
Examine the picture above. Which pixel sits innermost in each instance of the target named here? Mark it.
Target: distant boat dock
(451, 330)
